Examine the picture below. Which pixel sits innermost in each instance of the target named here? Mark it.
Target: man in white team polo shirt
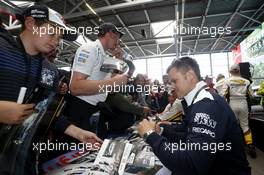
(87, 80)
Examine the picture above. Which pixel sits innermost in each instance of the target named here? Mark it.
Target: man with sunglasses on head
(87, 82)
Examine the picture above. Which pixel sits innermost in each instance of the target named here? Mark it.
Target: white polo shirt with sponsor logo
(88, 60)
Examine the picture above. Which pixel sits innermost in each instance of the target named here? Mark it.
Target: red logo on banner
(237, 58)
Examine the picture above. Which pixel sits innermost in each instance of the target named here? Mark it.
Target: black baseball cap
(109, 27)
(45, 13)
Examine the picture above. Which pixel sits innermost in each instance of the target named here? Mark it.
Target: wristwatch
(145, 136)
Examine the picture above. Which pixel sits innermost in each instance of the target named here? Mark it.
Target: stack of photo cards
(113, 156)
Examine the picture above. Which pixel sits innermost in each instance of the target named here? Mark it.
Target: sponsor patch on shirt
(204, 119)
(83, 56)
(81, 59)
(204, 131)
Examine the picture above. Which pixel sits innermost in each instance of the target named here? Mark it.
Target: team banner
(252, 48)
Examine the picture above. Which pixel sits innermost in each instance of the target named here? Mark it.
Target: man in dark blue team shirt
(209, 141)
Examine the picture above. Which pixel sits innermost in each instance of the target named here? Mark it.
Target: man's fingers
(92, 138)
(89, 140)
(97, 138)
(19, 121)
(64, 86)
(164, 122)
(26, 113)
(150, 121)
(28, 106)
(144, 121)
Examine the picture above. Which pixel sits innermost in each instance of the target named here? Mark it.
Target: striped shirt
(17, 69)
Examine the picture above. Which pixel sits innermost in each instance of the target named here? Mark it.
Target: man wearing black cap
(21, 58)
(88, 82)
(21, 65)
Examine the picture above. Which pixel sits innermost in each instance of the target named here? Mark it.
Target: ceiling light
(92, 10)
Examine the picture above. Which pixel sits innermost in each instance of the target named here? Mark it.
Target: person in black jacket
(209, 140)
(20, 66)
(121, 112)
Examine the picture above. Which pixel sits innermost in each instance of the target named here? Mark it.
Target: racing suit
(236, 89)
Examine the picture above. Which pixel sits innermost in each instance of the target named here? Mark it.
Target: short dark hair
(138, 76)
(108, 27)
(185, 64)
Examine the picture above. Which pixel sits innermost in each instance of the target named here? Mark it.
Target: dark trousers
(79, 112)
